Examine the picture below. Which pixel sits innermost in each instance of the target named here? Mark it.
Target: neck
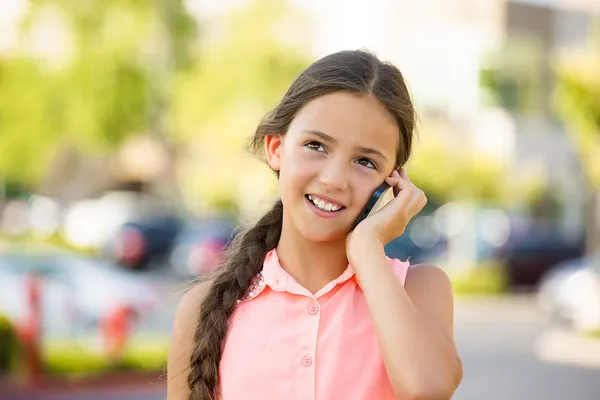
(312, 264)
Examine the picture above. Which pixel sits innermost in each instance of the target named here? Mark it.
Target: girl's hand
(390, 222)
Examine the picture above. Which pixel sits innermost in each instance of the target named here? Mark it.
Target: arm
(414, 324)
(182, 341)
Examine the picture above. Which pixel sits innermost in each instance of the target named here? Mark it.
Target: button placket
(307, 351)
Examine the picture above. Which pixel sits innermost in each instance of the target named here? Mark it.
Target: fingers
(399, 181)
(409, 201)
(393, 179)
(404, 184)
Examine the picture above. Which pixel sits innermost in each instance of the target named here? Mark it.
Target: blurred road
(497, 339)
(95, 395)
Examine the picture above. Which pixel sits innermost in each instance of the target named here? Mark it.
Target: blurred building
(538, 33)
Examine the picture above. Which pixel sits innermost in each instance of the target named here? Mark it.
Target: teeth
(323, 205)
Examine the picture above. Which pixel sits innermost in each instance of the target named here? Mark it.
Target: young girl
(303, 306)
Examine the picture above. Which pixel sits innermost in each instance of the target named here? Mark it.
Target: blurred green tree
(250, 56)
(449, 167)
(577, 101)
(28, 119)
(90, 74)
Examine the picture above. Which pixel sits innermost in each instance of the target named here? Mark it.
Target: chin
(321, 234)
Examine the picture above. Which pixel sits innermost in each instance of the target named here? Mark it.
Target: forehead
(357, 118)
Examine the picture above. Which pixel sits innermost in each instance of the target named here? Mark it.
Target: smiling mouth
(324, 205)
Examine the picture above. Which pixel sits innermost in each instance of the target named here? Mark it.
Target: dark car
(404, 248)
(139, 244)
(527, 256)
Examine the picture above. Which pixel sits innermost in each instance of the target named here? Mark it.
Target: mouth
(324, 204)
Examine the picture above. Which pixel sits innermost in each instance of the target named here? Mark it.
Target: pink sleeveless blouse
(286, 343)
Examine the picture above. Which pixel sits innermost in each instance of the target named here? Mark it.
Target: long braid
(242, 261)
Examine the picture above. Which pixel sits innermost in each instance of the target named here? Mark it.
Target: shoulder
(189, 304)
(427, 277)
(421, 277)
(187, 314)
(182, 339)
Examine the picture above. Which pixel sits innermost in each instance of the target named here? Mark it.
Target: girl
(303, 306)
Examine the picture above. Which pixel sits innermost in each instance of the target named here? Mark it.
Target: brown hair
(351, 71)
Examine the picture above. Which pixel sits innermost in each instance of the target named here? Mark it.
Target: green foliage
(142, 353)
(511, 75)
(245, 69)
(29, 122)
(594, 333)
(449, 168)
(9, 345)
(110, 83)
(482, 279)
(577, 101)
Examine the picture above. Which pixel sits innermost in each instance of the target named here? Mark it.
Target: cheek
(363, 193)
(364, 186)
(297, 169)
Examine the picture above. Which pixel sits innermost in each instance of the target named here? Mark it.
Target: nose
(335, 175)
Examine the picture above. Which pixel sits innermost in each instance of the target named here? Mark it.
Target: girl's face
(339, 148)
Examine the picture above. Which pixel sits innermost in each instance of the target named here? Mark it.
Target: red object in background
(115, 330)
(205, 256)
(30, 329)
(130, 246)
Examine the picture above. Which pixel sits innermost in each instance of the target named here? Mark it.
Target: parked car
(570, 293)
(198, 246)
(422, 242)
(404, 248)
(92, 223)
(77, 292)
(139, 244)
(529, 254)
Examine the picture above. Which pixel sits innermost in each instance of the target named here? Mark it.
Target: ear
(273, 147)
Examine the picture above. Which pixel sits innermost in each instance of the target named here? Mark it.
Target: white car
(570, 292)
(77, 292)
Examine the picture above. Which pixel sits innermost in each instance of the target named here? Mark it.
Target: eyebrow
(362, 149)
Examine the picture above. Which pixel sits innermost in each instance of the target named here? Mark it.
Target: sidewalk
(109, 385)
(565, 347)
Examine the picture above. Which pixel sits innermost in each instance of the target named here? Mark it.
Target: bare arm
(182, 341)
(414, 325)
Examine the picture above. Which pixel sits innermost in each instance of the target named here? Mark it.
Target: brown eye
(367, 163)
(316, 146)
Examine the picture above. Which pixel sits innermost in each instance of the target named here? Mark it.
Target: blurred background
(123, 175)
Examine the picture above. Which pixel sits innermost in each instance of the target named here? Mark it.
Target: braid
(242, 261)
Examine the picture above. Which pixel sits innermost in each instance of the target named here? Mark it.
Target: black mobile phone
(380, 197)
